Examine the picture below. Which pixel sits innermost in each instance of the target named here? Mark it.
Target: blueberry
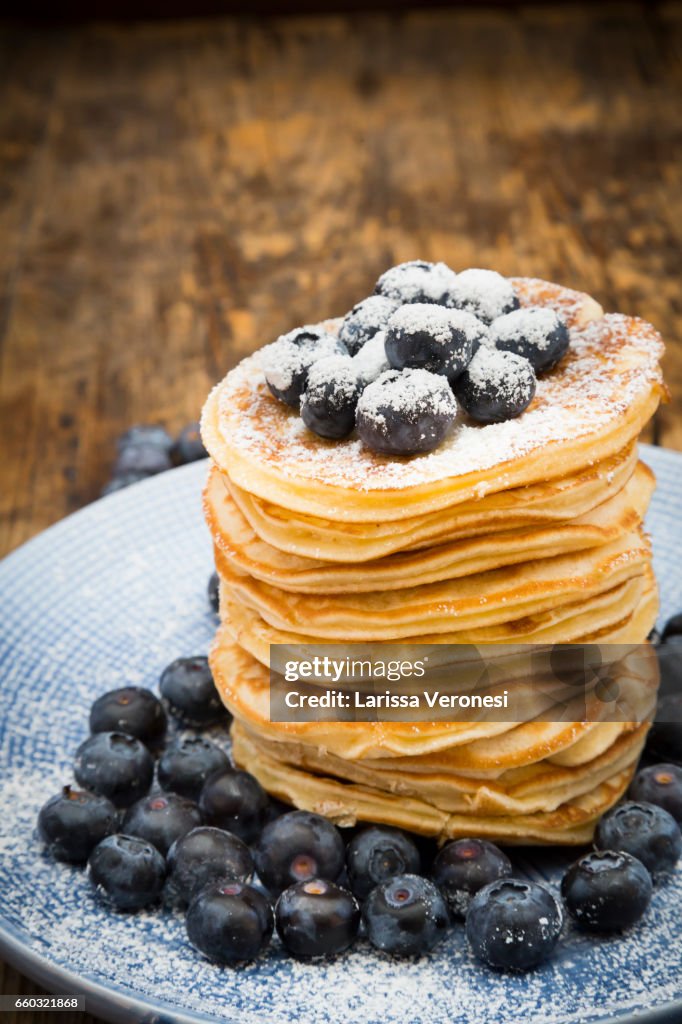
(118, 483)
(317, 918)
(405, 916)
(185, 766)
(161, 819)
(331, 395)
(188, 446)
(189, 691)
(377, 854)
(296, 847)
(643, 830)
(654, 637)
(147, 459)
(464, 866)
(235, 801)
(365, 320)
(130, 709)
(213, 590)
(127, 872)
(418, 281)
(484, 293)
(606, 891)
(665, 736)
(229, 922)
(660, 784)
(405, 412)
(496, 386)
(434, 338)
(73, 822)
(202, 856)
(512, 924)
(672, 631)
(145, 434)
(535, 332)
(286, 362)
(371, 361)
(114, 765)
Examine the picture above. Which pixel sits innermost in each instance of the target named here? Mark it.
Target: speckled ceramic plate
(110, 596)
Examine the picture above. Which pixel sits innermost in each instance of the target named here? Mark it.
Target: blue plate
(110, 596)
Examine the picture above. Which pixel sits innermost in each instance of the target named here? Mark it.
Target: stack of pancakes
(528, 531)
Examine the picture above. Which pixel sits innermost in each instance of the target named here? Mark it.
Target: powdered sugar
(409, 393)
(292, 354)
(364, 320)
(438, 322)
(502, 372)
(534, 324)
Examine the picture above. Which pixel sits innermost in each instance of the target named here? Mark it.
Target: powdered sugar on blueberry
(485, 293)
(418, 281)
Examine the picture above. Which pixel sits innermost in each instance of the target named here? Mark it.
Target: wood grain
(173, 195)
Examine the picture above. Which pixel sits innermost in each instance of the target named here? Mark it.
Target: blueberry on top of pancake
(496, 385)
(288, 359)
(434, 338)
(365, 319)
(485, 293)
(405, 412)
(418, 281)
(329, 400)
(536, 332)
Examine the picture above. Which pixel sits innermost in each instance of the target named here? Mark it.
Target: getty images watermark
(463, 682)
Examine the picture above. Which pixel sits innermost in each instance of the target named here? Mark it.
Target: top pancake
(588, 408)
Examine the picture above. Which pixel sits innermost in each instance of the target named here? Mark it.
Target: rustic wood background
(176, 194)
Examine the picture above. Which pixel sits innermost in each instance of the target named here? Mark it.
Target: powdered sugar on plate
(122, 594)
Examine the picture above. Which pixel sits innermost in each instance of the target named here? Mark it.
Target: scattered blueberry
(331, 395)
(672, 631)
(296, 847)
(189, 691)
(118, 483)
(405, 412)
(513, 924)
(114, 765)
(405, 916)
(378, 853)
(606, 891)
(665, 736)
(229, 922)
(434, 338)
(660, 784)
(72, 823)
(464, 866)
(643, 830)
(485, 293)
(418, 281)
(535, 332)
(161, 819)
(185, 766)
(127, 872)
(654, 637)
(147, 459)
(317, 918)
(132, 710)
(496, 386)
(365, 320)
(202, 856)
(286, 362)
(143, 435)
(213, 590)
(188, 446)
(236, 802)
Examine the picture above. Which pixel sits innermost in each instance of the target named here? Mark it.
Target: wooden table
(176, 194)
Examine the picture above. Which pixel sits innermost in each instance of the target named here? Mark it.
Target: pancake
(558, 500)
(248, 555)
(624, 614)
(586, 410)
(571, 823)
(485, 599)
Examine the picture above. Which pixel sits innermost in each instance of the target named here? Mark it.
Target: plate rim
(118, 1003)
